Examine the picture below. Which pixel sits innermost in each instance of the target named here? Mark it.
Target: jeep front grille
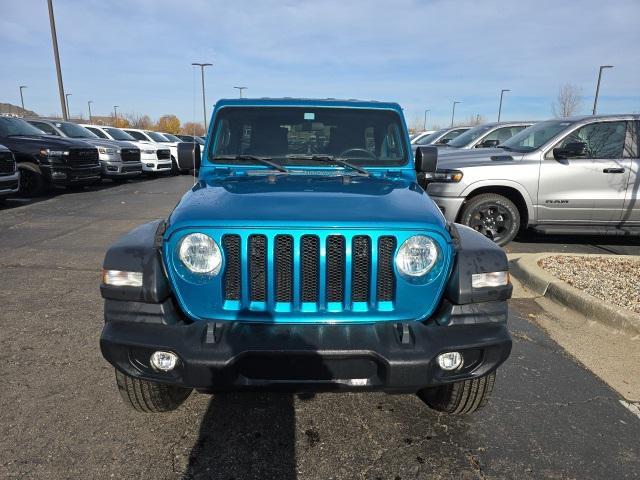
(319, 272)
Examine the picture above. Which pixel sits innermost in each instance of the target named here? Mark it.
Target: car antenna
(193, 116)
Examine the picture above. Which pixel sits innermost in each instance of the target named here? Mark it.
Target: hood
(454, 159)
(307, 200)
(53, 141)
(101, 142)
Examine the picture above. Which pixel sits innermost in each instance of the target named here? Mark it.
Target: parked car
(45, 160)
(154, 158)
(485, 136)
(440, 137)
(158, 139)
(306, 271)
(174, 141)
(419, 135)
(9, 175)
(568, 176)
(119, 161)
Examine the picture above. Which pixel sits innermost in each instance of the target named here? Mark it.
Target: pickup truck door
(631, 208)
(589, 188)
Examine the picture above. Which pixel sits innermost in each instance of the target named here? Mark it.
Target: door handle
(613, 170)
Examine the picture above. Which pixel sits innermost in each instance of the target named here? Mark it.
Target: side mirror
(426, 163)
(488, 144)
(570, 150)
(188, 156)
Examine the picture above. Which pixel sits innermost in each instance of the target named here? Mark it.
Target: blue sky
(137, 53)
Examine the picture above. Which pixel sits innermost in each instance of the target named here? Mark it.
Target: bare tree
(416, 125)
(568, 102)
(139, 121)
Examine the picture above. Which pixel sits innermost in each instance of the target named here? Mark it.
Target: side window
(137, 135)
(98, 132)
(603, 140)
(503, 134)
(45, 127)
(452, 134)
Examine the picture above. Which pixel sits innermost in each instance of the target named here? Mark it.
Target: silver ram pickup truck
(578, 175)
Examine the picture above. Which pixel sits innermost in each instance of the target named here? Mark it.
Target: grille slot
(335, 268)
(163, 154)
(310, 263)
(232, 273)
(284, 268)
(258, 268)
(361, 268)
(386, 284)
(130, 155)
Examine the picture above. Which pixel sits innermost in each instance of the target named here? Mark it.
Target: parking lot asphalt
(61, 415)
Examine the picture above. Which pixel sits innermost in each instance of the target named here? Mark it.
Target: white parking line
(632, 407)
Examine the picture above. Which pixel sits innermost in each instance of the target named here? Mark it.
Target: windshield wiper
(331, 159)
(263, 160)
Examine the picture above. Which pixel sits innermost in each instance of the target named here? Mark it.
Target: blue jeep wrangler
(307, 257)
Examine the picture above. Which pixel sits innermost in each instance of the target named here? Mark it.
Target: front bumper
(156, 165)
(111, 169)
(64, 175)
(9, 184)
(223, 356)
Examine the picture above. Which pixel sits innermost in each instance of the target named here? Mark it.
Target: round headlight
(416, 256)
(200, 254)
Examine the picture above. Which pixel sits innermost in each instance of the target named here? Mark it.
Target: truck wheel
(460, 397)
(493, 215)
(150, 397)
(32, 183)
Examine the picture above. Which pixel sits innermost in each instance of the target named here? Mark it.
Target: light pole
(89, 104)
(240, 90)
(115, 115)
(424, 127)
(56, 55)
(500, 107)
(453, 113)
(204, 104)
(595, 101)
(21, 97)
(66, 96)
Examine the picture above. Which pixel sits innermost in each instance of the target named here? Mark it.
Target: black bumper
(223, 356)
(9, 184)
(63, 175)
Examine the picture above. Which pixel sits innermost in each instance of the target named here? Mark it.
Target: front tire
(150, 397)
(493, 215)
(32, 183)
(459, 398)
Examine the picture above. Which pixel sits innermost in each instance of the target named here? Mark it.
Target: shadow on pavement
(245, 436)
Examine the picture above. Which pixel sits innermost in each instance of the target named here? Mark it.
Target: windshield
(365, 137)
(16, 126)
(156, 137)
(535, 136)
(427, 139)
(171, 138)
(118, 134)
(74, 131)
(469, 136)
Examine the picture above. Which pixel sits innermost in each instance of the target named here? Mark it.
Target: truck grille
(163, 154)
(130, 154)
(319, 271)
(83, 157)
(7, 163)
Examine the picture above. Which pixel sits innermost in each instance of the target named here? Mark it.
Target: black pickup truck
(45, 161)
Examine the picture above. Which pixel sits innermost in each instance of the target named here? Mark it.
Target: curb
(525, 268)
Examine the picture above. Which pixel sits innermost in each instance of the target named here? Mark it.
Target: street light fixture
(424, 127)
(595, 101)
(204, 104)
(21, 97)
(89, 104)
(240, 89)
(453, 113)
(67, 95)
(56, 56)
(115, 115)
(500, 107)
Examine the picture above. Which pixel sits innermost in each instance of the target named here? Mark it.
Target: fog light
(164, 361)
(150, 165)
(450, 360)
